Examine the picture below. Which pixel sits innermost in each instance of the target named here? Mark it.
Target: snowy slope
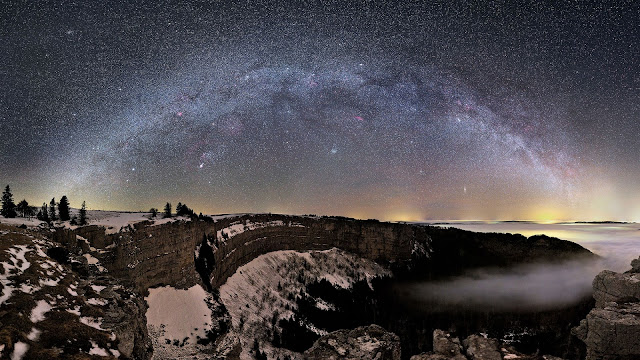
(258, 295)
(46, 307)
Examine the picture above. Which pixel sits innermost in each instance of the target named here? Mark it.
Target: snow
(241, 226)
(19, 349)
(98, 288)
(189, 311)
(75, 310)
(34, 334)
(72, 292)
(17, 221)
(99, 302)
(261, 290)
(28, 289)
(18, 257)
(37, 314)
(94, 323)
(50, 282)
(115, 221)
(93, 261)
(96, 350)
(18, 264)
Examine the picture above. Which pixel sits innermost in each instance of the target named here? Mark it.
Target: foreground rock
(474, 347)
(367, 342)
(57, 304)
(611, 331)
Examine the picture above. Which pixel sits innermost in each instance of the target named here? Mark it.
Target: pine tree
(154, 213)
(179, 209)
(83, 214)
(167, 210)
(8, 206)
(23, 208)
(43, 214)
(63, 208)
(52, 210)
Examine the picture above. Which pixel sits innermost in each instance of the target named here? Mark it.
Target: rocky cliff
(150, 255)
(611, 331)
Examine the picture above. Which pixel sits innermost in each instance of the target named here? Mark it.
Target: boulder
(432, 356)
(367, 342)
(445, 344)
(611, 331)
(610, 286)
(635, 265)
(481, 348)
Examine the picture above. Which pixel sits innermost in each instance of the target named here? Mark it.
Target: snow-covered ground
(37, 294)
(241, 226)
(177, 319)
(113, 221)
(258, 295)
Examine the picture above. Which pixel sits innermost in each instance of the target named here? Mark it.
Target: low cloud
(522, 288)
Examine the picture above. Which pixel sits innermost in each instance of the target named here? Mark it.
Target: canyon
(207, 251)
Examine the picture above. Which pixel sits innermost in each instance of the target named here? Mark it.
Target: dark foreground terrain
(205, 251)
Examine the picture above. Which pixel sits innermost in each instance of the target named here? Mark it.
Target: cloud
(523, 288)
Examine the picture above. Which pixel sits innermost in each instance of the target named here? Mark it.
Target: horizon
(432, 221)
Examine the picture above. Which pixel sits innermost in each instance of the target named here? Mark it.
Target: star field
(525, 110)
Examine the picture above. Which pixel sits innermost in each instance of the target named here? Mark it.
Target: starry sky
(414, 111)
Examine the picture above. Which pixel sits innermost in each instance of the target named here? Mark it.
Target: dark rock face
(611, 331)
(368, 342)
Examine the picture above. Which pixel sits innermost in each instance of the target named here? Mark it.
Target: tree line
(181, 210)
(50, 213)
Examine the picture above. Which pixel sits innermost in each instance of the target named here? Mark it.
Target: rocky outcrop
(611, 331)
(367, 342)
(126, 317)
(482, 348)
(447, 345)
(474, 347)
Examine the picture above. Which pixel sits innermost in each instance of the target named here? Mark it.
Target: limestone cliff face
(150, 255)
(164, 254)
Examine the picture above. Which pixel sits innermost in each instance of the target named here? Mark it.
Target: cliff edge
(611, 331)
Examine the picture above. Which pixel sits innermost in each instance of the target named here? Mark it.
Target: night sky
(495, 110)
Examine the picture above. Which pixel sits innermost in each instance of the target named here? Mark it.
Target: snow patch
(19, 349)
(99, 302)
(37, 314)
(96, 350)
(189, 318)
(92, 322)
(34, 334)
(98, 288)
